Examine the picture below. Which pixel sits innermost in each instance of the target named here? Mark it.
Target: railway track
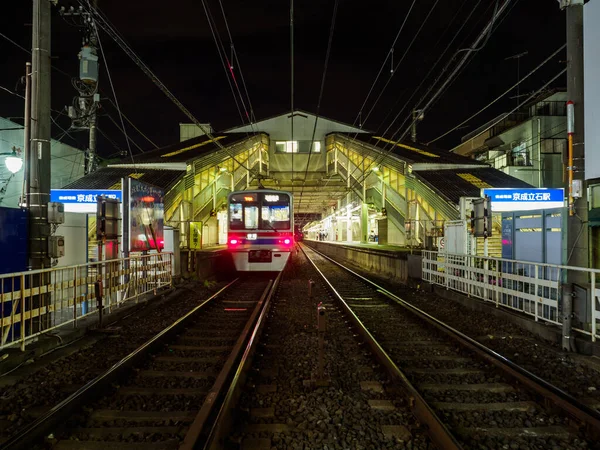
(467, 395)
(164, 394)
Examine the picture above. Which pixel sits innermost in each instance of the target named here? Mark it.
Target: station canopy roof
(414, 152)
(453, 184)
(109, 177)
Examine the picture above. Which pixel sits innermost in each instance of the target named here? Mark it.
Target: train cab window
(251, 217)
(276, 217)
(235, 216)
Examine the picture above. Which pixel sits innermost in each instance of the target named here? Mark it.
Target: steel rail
(200, 424)
(225, 416)
(438, 432)
(566, 403)
(37, 430)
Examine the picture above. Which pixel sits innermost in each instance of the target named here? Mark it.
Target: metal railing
(530, 288)
(39, 301)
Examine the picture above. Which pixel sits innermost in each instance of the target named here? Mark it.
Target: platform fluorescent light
(13, 163)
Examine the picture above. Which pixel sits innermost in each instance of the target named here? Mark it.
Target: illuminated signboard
(525, 199)
(146, 217)
(82, 200)
(271, 198)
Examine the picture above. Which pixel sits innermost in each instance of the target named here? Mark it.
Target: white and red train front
(260, 234)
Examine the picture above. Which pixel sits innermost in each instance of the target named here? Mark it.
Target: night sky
(174, 40)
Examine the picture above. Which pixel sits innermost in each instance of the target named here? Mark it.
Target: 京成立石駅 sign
(524, 199)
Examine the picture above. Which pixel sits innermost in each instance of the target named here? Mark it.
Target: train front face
(260, 229)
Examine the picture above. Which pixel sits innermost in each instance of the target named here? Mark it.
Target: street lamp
(13, 161)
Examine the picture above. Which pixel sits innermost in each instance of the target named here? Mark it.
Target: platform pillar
(364, 223)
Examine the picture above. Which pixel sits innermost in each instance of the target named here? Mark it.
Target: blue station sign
(82, 195)
(525, 199)
(82, 200)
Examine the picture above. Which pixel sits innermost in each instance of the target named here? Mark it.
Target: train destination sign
(525, 199)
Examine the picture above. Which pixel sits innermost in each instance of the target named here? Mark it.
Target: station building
(349, 185)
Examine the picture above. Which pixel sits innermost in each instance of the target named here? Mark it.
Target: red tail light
(233, 241)
(287, 241)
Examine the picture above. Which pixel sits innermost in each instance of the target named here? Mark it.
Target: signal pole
(38, 159)
(577, 221)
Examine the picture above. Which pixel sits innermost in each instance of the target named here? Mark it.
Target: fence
(38, 301)
(530, 288)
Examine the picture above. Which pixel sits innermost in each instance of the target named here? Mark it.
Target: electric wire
(134, 127)
(500, 96)
(221, 50)
(321, 90)
(446, 82)
(423, 79)
(384, 155)
(69, 76)
(127, 137)
(359, 116)
(112, 87)
(150, 74)
(426, 77)
(250, 116)
(292, 83)
(416, 35)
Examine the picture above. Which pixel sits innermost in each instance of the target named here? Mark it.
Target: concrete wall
(206, 265)
(396, 267)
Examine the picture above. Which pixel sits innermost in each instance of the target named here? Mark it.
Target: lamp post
(13, 160)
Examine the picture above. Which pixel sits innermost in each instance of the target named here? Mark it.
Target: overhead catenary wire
(224, 61)
(251, 117)
(395, 69)
(423, 79)
(531, 97)
(127, 137)
(112, 87)
(321, 90)
(133, 125)
(388, 55)
(500, 96)
(99, 20)
(475, 46)
(292, 83)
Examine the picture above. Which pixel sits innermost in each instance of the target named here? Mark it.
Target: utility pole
(417, 115)
(84, 110)
(27, 133)
(577, 221)
(38, 160)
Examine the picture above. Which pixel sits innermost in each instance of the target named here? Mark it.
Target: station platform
(386, 248)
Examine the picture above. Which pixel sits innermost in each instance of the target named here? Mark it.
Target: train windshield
(269, 211)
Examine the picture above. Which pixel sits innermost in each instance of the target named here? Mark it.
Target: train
(260, 229)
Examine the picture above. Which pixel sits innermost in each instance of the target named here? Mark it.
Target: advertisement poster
(146, 217)
(195, 235)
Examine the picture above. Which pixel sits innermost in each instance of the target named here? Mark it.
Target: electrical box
(576, 189)
(88, 65)
(56, 246)
(56, 212)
